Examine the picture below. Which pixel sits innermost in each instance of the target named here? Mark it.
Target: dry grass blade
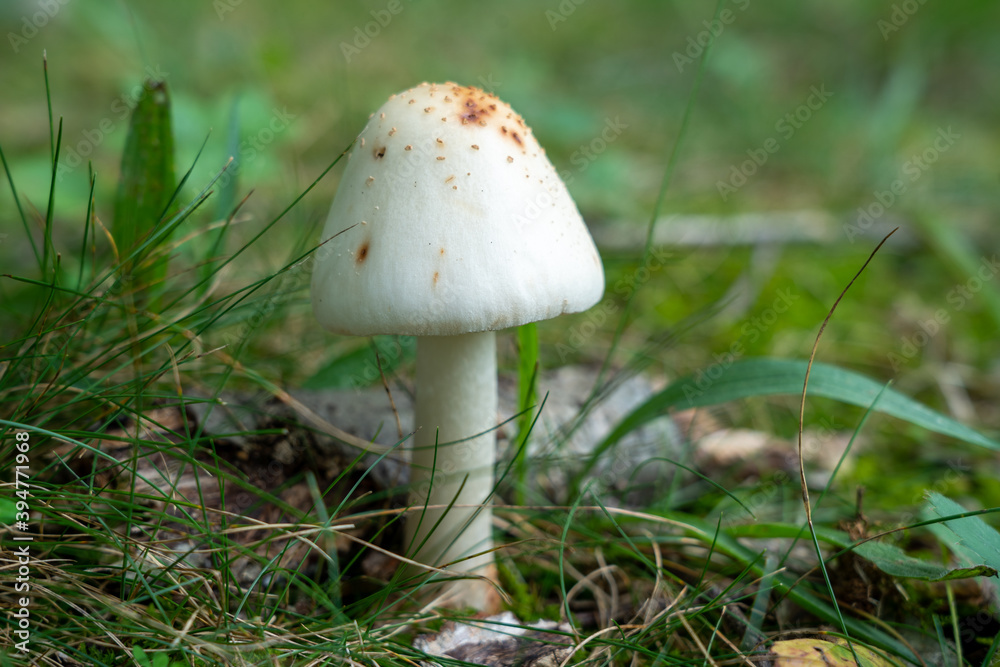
(802, 414)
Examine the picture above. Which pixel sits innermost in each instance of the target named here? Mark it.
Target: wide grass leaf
(147, 181)
(885, 556)
(893, 560)
(969, 537)
(772, 377)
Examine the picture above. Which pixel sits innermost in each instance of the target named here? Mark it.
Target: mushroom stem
(456, 399)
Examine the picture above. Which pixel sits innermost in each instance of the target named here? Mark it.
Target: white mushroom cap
(455, 221)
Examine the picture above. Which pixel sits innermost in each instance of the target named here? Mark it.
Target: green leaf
(969, 537)
(147, 182)
(140, 656)
(771, 377)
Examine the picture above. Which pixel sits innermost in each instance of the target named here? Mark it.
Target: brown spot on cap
(475, 146)
(441, 251)
(474, 104)
(378, 152)
(436, 276)
(362, 253)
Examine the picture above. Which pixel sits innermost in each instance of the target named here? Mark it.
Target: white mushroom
(468, 229)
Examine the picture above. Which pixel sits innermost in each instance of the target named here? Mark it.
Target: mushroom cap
(450, 219)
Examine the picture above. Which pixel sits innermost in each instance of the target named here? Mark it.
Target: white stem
(456, 399)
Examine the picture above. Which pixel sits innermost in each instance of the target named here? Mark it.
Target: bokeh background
(806, 113)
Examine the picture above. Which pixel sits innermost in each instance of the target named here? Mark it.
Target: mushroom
(449, 224)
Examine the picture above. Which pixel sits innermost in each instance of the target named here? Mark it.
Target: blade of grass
(773, 377)
(147, 181)
(668, 173)
(527, 378)
(802, 466)
(20, 209)
(86, 225)
(48, 248)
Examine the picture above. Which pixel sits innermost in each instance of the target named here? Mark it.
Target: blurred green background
(842, 99)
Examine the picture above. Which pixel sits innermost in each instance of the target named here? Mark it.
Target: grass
(157, 542)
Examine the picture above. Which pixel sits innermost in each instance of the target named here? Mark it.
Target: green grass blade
(147, 179)
(230, 183)
(48, 248)
(774, 377)
(527, 378)
(991, 653)
(20, 208)
(88, 218)
(48, 104)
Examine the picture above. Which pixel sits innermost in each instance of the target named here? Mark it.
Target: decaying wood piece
(500, 641)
